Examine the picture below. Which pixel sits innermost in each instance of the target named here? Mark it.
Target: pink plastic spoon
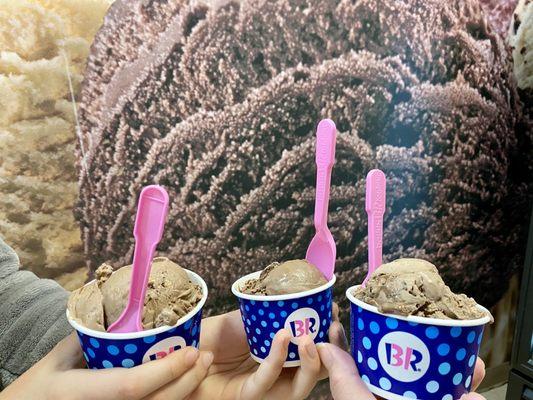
(322, 251)
(375, 208)
(149, 223)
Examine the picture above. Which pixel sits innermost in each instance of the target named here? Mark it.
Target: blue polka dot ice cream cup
(107, 350)
(304, 313)
(413, 357)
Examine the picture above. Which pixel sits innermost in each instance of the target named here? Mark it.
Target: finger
(472, 396)
(479, 373)
(307, 375)
(335, 311)
(337, 336)
(344, 379)
(187, 383)
(268, 372)
(220, 330)
(66, 354)
(131, 383)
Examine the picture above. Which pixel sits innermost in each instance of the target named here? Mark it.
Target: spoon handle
(375, 208)
(325, 158)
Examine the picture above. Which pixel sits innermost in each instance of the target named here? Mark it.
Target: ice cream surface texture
(292, 276)
(411, 286)
(170, 295)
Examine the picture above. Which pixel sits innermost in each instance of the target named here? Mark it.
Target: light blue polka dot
(127, 363)
(457, 378)
(275, 324)
(261, 311)
(360, 324)
(329, 314)
(263, 324)
(372, 363)
(194, 343)
(86, 356)
(385, 384)
(294, 306)
(271, 315)
(392, 323)
(254, 318)
(310, 300)
(248, 322)
(374, 327)
(319, 298)
(455, 331)
(366, 343)
(359, 309)
(324, 322)
(460, 355)
(149, 339)
(432, 386)
(322, 307)
(172, 330)
(280, 303)
(95, 343)
(107, 364)
(444, 368)
(249, 342)
(447, 397)
(283, 314)
(443, 349)
(255, 351)
(252, 302)
(471, 337)
(359, 357)
(272, 334)
(365, 379)
(254, 339)
(246, 307)
(467, 382)
(263, 350)
(113, 350)
(321, 335)
(432, 332)
(90, 352)
(194, 330)
(267, 342)
(130, 348)
(292, 355)
(188, 324)
(413, 323)
(258, 331)
(409, 395)
(471, 360)
(479, 338)
(265, 304)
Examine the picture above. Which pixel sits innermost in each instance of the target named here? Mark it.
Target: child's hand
(60, 375)
(346, 384)
(235, 375)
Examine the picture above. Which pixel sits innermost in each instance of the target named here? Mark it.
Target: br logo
(164, 348)
(403, 356)
(302, 322)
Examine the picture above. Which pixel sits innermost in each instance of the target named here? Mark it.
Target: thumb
(66, 354)
(472, 396)
(344, 380)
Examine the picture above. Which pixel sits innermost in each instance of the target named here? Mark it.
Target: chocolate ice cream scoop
(170, 295)
(292, 276)
(411, 286)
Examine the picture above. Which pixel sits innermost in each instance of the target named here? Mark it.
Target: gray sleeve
(32, 316)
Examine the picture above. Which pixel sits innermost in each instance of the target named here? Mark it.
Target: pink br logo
(403, 356)
(163, 348)
(302, 322)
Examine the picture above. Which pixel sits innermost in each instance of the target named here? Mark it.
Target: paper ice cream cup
(107, 350)
(413, 357)
(304, 313)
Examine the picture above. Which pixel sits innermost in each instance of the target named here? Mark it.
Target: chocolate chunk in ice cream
(170, 295)
(292, 276)
(411, 286)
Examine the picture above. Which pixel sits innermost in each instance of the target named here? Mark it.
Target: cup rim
(193, 276)
(277, 297)
(421, 320)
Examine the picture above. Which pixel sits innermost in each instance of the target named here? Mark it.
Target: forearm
(32, 316)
